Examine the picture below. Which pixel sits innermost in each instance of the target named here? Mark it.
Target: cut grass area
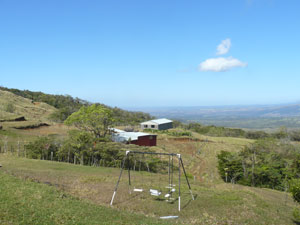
(27, 202)
(215, 204)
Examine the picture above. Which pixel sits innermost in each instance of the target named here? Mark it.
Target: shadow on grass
(133, 196)
(186, 205)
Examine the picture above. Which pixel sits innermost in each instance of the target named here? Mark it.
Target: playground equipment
(152, 191)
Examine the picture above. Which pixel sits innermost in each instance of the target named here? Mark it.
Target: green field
(36, 187)
(26, 202)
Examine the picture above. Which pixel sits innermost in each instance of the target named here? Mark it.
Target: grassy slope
(216, 202)
(33, 112)
(26, 202)
(37, 111)
(200, 156)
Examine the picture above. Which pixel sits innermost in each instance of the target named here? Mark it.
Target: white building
(158, 124)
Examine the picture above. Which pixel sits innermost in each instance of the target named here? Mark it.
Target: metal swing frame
(180, 165)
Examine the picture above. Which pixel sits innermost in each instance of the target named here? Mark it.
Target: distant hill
(256, 117)
(13, 107)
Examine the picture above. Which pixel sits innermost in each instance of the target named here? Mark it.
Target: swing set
(152, 191)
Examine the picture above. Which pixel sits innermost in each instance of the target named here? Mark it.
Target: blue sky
(153, 53)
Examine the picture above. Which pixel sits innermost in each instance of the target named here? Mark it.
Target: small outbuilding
(137, 138)
(158, 124)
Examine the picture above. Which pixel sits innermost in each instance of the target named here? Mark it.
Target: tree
(42, 147)
(95, 119)
(230, 166)
(79, 145)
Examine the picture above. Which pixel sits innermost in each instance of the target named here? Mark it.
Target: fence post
(5, 144)
(18, 148)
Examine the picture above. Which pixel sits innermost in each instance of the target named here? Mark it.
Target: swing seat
(169, 217)
(169, 194)
(138, 190)
(155, 192)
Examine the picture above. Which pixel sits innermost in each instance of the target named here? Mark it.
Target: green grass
(27, 202)
(92, 187)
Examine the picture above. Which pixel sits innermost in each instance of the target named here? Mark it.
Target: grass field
(31, 190)
(27, 202)
(217, 203)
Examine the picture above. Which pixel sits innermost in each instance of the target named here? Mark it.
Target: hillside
(42, 204)
(66, 105)
(63, 188)
(216, 202)
(13, 106)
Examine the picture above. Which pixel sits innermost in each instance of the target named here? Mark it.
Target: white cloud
(220, 64)
(224, 47)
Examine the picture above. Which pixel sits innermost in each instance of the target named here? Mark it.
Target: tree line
(269, 163)
(82, 148)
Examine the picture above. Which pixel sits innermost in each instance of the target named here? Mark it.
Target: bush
(295, 189)
(42, 148)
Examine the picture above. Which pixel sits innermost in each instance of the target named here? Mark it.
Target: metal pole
(169, 171)
(179, 182)
(116, 188)
(187, 180)
(153, 153)
(129, 181)
(172, 172)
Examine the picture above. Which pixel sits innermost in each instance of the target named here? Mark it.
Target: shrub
(295, 189)
(42, 147)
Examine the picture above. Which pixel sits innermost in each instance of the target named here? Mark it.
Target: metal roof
(116, 130)
(125, 136)
(158, 121)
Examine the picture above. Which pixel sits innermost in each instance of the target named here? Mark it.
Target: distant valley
(251, 117)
